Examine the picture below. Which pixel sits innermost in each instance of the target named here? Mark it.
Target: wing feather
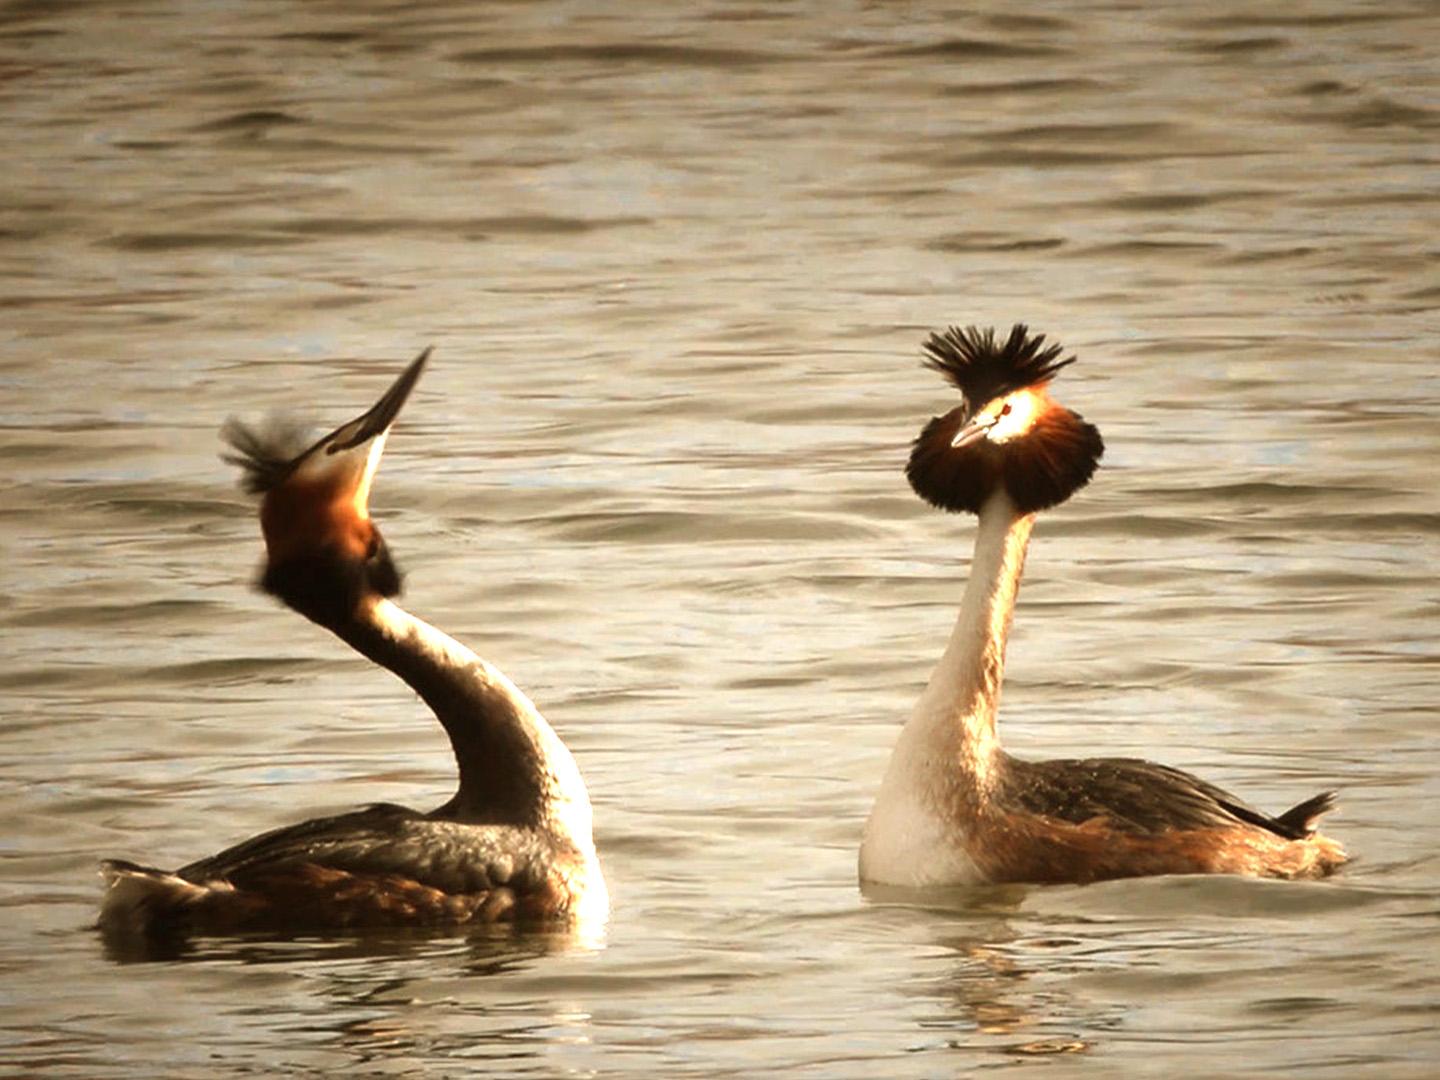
(1135, 795)
(385, 839)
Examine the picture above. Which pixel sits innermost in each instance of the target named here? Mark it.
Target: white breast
(907, 843)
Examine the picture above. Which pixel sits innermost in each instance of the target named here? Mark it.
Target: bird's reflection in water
(490, 949)
(997, 993)
(401, 996)
(992, 989)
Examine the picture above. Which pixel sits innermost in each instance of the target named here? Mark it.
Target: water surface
(676, 268)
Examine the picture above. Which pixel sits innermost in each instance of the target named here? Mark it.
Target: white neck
(943, 761)
(960, 700)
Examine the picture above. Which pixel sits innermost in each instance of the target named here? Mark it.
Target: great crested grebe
(513, 844)
(956, 809)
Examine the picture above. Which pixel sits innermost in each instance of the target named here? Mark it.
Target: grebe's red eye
(1005, 410)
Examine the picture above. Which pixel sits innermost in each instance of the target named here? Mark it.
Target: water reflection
(995, 993)
(681, 256)
(389, 998)
(1041, 971)
(990, 990)
(490, 949)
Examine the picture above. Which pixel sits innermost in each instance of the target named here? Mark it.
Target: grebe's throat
(964, 690)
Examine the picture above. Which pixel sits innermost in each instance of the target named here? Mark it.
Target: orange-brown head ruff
(1009, 432)
(323, 552)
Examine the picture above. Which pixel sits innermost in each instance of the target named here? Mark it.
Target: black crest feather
(983, 368)
(265, 455)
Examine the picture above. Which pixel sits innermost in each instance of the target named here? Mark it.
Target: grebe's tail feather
(141, 900)
(1303, 817)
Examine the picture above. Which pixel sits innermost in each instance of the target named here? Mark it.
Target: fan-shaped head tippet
(1008, 432)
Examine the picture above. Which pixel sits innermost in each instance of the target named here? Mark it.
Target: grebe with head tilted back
(513, 844)
(956, 809)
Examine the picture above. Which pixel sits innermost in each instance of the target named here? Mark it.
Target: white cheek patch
(1014, 416)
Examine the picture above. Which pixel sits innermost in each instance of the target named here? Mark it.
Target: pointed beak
(350, 455)
(974, 431)
(375, 423)
(319, 502)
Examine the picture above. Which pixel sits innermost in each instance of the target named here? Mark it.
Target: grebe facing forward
(954, 808)
(513, 844)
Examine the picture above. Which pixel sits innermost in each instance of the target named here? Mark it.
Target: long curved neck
(514, 770)
(958, 706)
(947, 759)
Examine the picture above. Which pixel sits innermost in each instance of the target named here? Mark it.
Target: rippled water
(676, 268)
